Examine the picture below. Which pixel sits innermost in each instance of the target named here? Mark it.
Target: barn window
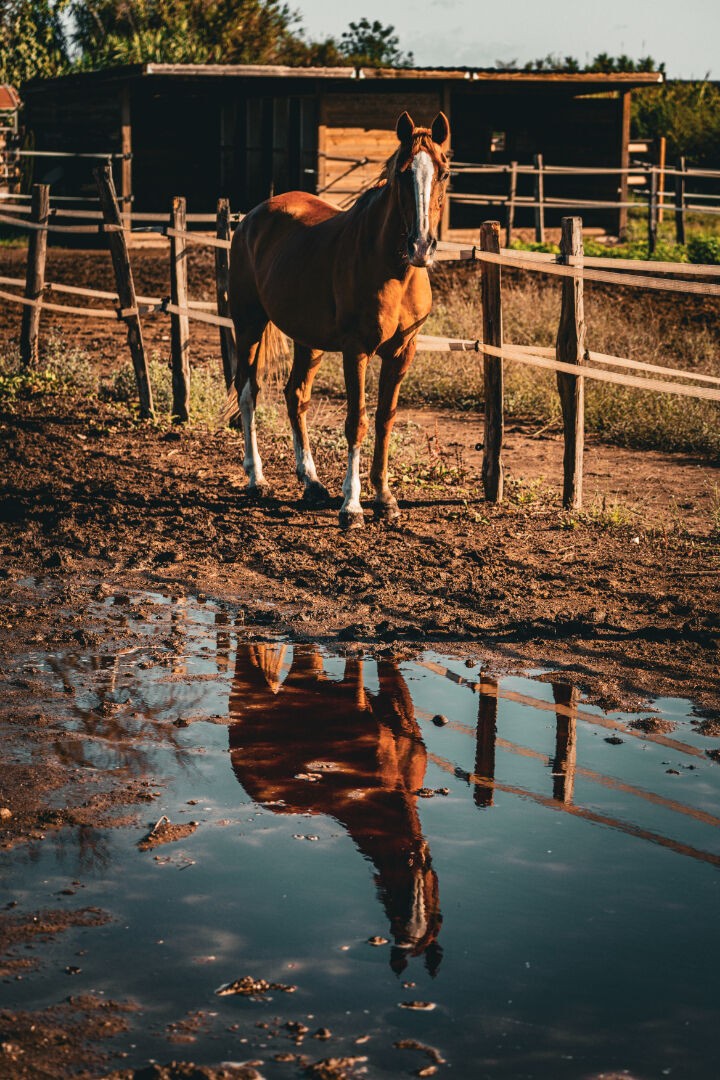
(498, 142)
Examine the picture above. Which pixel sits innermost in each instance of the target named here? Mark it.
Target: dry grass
(675, 331)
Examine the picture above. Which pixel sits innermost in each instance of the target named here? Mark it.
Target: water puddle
(388, 856)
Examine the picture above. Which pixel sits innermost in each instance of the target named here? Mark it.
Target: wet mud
(332, 728)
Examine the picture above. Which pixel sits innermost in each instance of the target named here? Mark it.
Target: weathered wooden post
(125, 285)
(486, 737)
(179, 324)
(680, 201)
(492, 468)
(35, 275)
(512, 192)
(570, 349)
(539, 199)
(222, 281)
(653, 211)
(566, 700)
(662, 156)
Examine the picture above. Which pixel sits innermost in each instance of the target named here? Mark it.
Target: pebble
(439, 720)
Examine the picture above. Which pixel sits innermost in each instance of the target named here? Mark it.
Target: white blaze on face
(423, 172)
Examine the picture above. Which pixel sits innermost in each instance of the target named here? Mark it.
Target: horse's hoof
(257, 492)
(316, 496)
(352, 519)
(386, 511)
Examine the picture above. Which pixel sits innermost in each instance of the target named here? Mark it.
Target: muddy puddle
(403, 863)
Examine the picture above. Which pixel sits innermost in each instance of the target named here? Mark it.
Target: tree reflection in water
(316, 745)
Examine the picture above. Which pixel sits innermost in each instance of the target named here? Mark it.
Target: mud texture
(93, 505)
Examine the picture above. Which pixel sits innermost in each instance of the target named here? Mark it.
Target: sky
(470, 33)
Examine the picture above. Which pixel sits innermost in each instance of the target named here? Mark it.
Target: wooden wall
(362, 125)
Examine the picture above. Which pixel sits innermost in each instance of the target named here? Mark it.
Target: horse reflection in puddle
(312, 744)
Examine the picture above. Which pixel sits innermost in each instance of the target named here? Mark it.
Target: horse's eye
(445, 175)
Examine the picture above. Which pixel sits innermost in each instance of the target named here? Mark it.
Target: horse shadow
(315, 745)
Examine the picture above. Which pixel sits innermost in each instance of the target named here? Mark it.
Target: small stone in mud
(377, 940)
(425, 792)
(672, 772)
(252, 988)
(421, 1006)
(296, 1028)
(333, 1068)
(652, 725)
(164, 832)
(284, 1056)
(439, 720)
(614, 740)
(5, 813)
(322, 1033)
(72, 970)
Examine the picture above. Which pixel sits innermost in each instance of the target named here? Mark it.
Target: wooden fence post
(486, 738)
(662, 157)
(564, 762)
(492, 469)
(653, 211)
(539, 199)
(680, 201)
(222, 280)
(512, 192)
(125, 285)
(35, 275)
(179, 324)
(570, 349)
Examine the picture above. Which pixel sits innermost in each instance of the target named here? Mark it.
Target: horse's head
(421, 174)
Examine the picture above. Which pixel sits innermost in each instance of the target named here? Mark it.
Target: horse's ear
(404, 128)
(440, 129)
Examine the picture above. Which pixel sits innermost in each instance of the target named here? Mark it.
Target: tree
(111, 32)
(367, 44)
(32, 40)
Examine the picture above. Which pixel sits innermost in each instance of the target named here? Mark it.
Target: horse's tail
(273, 348)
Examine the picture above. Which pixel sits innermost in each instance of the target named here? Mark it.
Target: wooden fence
(569, 358)
(657, 190)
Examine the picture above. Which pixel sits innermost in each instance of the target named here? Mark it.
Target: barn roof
(9, 97)
(577, 82)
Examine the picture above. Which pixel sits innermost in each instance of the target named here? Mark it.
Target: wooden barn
(248, 131)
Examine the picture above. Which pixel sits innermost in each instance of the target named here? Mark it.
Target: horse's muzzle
(421, 250)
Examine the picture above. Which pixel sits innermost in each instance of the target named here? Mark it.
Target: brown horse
(354, 282)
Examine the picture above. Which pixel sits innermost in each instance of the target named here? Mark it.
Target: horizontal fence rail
(571, 266)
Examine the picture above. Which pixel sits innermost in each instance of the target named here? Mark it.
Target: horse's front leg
(392, 372)
(249, 347)
(354, 366)
(297, 396)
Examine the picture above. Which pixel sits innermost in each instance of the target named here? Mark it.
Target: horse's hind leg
(248, 344)
(297, 396)
(392, 373)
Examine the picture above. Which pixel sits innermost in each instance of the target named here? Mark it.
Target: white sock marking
(351, 484)
(304, 464)
(252, 463)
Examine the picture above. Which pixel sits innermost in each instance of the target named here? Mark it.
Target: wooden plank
(539, 199)
(625, 115)
(35, 275)
(570, 349)
(126, 150)
(492, 467)
(652, 221)
(662, 156)
(512, 193)
(486, 738)
(680, 201)
(222, 284)
(179, 324)
(125, 286)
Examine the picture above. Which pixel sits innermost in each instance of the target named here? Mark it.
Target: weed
(610, 514)
(61, 369)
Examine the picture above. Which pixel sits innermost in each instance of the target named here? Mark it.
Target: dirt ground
(626, 607)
